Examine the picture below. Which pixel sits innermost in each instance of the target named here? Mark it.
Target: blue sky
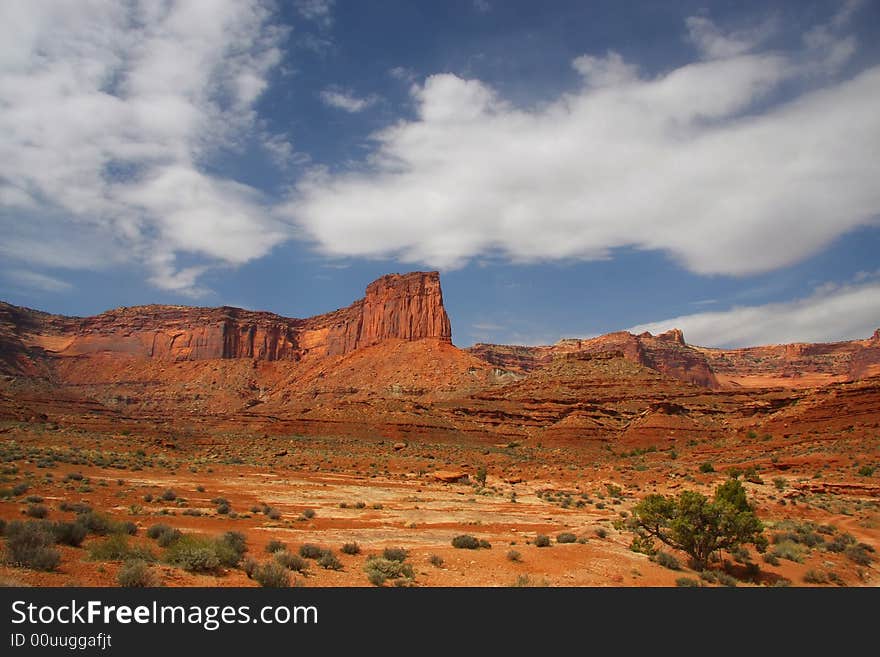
(571, 168)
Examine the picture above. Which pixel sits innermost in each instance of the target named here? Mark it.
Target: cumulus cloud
(346, 100)
(110, 114)
(703, 162)
(833, 312)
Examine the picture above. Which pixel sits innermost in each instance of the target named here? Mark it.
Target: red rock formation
(408, 307)
(667, 353)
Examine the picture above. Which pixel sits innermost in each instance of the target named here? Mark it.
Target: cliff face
(666, 353)
(797, 363)
(408, 307)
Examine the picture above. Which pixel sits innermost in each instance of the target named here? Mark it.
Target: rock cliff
(408, 307)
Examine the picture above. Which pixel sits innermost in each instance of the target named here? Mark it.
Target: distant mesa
(397, 307)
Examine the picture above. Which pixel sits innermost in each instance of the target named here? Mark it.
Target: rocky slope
(667, 353)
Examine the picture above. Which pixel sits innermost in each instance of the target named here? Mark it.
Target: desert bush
(380, 570)
(273, 514)
(541, 540)
(465, 542)
(231, 547)
(223, 509)
(69, 533)
(166, 538)
(858, 554)
(275, 545)
(771, 558)
(201, 554)
(788, 550)
(31, 545)
(436, 560)
(19, 489)
(97, 523)
(271, 575)
(514, 555)
(815, 577)
(33, 499)
(117, 548)
(329, 561)
(866, 470)
(687, 582)
(136, 573)
(566, 537)
(37, 511)
(351, 548)
(780, 483)
(291, 561)
(169, 495)
(308, 514)
(707, 467)
(75, 507)
(249, 565)
(309, 551)
(395, 554)
(667, 561)
(601, 532)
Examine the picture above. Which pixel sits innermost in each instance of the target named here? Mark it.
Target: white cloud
(346, 100)
(35, 281)
(319, 11)
(109, 113)
(700, 162)
(714, 43)
(831, 313)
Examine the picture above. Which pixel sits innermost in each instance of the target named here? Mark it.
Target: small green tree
(700, 526)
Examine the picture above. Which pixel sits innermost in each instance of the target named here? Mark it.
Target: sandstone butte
(407, 307)
(387, 364)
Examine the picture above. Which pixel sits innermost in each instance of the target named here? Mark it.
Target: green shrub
(97, 523)
(815, 577)
(291, 561)
(31, 545)
(275, 545)
(780, 483)
(69, 533)
(380, 570)
(231, 547)
(686, 582)
(271, 575)
(249, 565)
(541, 540)
(566, 537)
(329, 561)
(136, 573)
(395, 554)
(789, 550)
(351, 548)
(858, 554)
(707, 467)
(116, 548)
(37, 511)
(771, 558)
(75, 507)
(309, 551)
(866, 470)
(466, 542)
(667, 561)
(201, 554)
